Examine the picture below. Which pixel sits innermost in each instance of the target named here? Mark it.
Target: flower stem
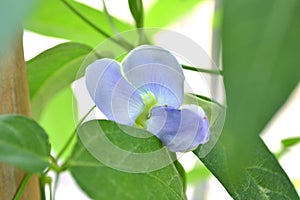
(50, 191)
(122, 43)
(22, 187)
(196, 69)
(109, 18)
(114, 28)
(54, 189)
(72, 136)
(55, 166)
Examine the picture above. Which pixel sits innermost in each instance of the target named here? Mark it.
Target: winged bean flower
(146, 90)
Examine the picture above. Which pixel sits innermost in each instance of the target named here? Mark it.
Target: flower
(146, 90)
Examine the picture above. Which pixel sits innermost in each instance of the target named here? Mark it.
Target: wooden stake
(14, 99)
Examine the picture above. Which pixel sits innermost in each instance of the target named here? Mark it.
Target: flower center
(149, 101)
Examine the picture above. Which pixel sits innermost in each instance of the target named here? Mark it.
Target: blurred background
(197, 24)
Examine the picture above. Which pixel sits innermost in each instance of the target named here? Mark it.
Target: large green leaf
(23, 143)
(261, 66)
(163, 13)
(53, 70)
(54, 18)
(259, 178)
(260, 45)
(103, 182)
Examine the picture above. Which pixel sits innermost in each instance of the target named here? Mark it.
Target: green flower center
(149, 101)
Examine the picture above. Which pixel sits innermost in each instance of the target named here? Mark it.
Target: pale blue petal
(145, 54)
(179, 130)
(151, 68)
(112, 94)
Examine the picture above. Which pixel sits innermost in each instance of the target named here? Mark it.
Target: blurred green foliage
(11, 15)
(54, 18)
(57, 120)
(165, 12)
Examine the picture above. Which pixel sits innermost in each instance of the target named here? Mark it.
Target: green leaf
(259, 56)
(23, 143)
(54, 18)
(163, 13)
(11, 15)
(260, 178)
(53, 70)
(137, 12)
(58, 119)
(289, 142)
(198, 174)
(260, 60)
(105, 182)
(260, 71)
(182, 173)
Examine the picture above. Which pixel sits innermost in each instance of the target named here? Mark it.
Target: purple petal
(179, 130)
(112, 94)
(151, 68)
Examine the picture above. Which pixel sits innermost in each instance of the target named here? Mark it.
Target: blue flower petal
(112, 94)
(154, 69)
(179, 130)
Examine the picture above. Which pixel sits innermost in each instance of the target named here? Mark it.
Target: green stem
(109, 18)
(208, 99)
(55, 184)
(55, 166)
(143, 39)
(114, 28)
(50, 191)
(44, 181)
(139, 21)
(22, 187)
(123, 44)
(72, 136)
(42, 190)
(216, 72)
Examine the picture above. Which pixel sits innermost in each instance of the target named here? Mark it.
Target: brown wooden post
(14, 98)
